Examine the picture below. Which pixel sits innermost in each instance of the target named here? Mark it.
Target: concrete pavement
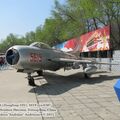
(73, 96)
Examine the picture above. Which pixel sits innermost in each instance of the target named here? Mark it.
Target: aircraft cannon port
(12, 56)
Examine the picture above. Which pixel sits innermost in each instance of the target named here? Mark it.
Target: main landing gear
(31, 80)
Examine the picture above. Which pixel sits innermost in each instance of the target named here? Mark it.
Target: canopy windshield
(40, 45)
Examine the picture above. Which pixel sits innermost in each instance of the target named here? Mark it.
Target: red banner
(96, 40)
(72, 45)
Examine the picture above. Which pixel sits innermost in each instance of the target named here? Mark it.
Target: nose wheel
(31, 80)
(40, 73)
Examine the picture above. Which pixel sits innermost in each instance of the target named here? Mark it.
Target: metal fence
(115, 59)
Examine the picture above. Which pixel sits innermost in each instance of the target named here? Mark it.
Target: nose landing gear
(40, 73)
(31, 80)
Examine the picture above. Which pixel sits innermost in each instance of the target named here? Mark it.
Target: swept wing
(80, 61)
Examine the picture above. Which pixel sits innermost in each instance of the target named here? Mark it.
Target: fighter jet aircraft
(39, 56)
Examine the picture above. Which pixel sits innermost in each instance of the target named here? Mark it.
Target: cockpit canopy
(40, 45)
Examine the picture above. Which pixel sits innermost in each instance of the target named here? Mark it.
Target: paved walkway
(73, 96)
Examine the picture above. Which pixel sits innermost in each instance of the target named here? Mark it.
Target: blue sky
(21, 16)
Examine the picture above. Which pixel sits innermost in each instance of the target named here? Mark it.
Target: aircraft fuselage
(30, 58)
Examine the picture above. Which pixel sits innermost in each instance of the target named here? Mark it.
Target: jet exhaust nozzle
(12, 56)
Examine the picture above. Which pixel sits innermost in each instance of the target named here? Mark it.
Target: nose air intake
(12, 56)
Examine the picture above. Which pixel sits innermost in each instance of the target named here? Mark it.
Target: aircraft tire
(31, 81)
(40, 73)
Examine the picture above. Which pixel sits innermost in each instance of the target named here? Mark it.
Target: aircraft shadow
(58, 84)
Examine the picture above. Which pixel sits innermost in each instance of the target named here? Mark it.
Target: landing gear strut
(31, 81)
(86, 75)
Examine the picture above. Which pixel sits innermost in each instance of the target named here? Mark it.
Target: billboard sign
(72, 45)
(97, 40)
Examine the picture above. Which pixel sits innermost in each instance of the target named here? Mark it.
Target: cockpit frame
(40, 45)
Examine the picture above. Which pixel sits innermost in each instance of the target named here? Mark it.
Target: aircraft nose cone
(12, 56)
